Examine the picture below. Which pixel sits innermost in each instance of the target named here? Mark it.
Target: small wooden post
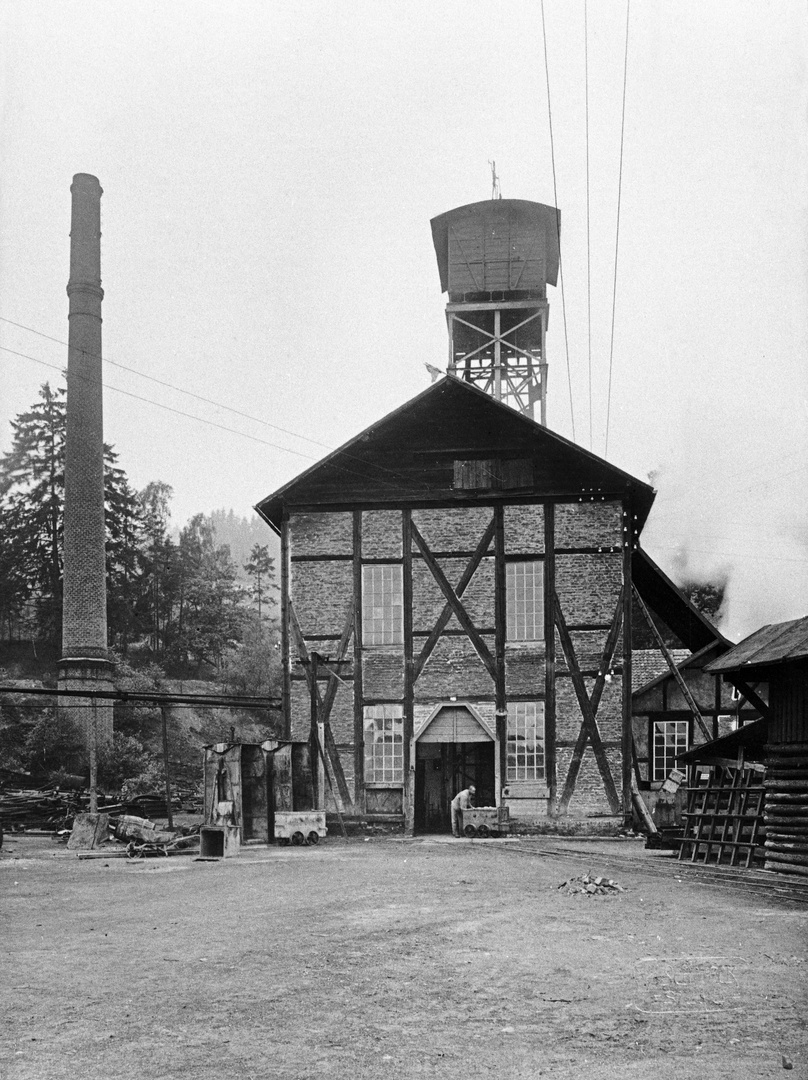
(314, 742)
(93, 741)
(170, 816)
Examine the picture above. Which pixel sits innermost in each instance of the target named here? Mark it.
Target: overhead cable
(407, 481)
(588, 216)
(558, 227)
(617, 232)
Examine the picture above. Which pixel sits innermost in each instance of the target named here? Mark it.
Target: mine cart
(299, 826)
(486, 821)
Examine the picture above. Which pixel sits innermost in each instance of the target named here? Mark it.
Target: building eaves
(775, 643)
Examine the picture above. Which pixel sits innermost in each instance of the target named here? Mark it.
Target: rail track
(730, 878)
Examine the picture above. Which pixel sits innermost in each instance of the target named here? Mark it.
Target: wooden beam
(446, 614)
(589, 727)
(359, 714)
(680, 680)
(407, 725)
(551, 758)
(627, 724)
(286, 703)
(457, 608)
(500, 616)
(750, 695)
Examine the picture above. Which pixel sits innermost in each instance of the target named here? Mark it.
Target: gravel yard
(396, 958)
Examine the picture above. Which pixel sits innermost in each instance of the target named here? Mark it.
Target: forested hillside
(193, 602)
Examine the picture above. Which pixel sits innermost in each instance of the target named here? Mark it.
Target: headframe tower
(496, 259)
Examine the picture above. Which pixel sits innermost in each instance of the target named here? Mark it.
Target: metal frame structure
(514, 374)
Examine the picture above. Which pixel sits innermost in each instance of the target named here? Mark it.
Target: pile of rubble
(587, 885)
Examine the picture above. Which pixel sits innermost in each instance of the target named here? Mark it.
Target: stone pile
(588, 885)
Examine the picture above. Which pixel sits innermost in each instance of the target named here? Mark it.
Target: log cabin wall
(450, 577)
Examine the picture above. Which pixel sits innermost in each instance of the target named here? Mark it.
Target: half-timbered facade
(457, 587)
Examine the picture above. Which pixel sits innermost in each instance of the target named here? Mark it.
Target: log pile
(50, 809)
(47, 809)
(786, 808)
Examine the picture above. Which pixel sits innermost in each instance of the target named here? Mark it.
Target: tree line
(178, 601)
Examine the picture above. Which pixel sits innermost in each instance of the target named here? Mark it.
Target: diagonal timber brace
(326, 702)
(678, 676)
(589, 706)
(453, 601)
(446, 614)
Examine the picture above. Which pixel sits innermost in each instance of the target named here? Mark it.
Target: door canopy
(454, 724)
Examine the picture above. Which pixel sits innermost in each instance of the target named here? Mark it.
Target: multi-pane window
(384, 744)
(382, 604)
(670, 737)
(525, 600)
(525, 749)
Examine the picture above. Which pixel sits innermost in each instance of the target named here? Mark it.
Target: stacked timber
(786, 808)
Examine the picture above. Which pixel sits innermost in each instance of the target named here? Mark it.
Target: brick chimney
(84, 663)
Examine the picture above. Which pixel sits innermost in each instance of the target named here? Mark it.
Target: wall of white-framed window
(384, 743)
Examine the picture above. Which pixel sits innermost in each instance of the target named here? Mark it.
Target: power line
(617, 232)
(723, 485)
(558, 225)
(588, 215)
(168, 408)
(407, 481)
(730, 554)
(168, 385)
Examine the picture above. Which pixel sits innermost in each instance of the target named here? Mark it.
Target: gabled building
(469, 576)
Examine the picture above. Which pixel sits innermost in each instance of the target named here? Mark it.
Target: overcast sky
(269, 172)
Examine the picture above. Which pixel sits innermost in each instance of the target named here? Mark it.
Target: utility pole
(169, 814)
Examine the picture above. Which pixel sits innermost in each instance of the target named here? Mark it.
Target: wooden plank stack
(786, 811)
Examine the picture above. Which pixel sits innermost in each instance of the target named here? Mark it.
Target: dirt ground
(395, 958)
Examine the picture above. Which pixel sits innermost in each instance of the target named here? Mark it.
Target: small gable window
(493, 474)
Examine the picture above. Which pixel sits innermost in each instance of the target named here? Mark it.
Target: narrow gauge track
(774, 885)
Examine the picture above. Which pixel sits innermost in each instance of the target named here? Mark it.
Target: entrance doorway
(453, 751)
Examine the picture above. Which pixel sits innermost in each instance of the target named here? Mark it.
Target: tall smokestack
(84, 663)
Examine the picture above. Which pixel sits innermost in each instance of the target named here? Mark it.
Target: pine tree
(261, 571)
(32, 477)
(210, 618)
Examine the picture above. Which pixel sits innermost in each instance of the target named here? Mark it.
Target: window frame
(659, 774)
(537, 749)
(390, 773)
(371, 595)
(532, 634)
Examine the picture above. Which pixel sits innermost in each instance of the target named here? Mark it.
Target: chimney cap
(86, 180)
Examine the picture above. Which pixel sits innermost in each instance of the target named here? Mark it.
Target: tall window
(384, 744)
(525, 749)
(525, 600)
(382, 604)
(670, 737)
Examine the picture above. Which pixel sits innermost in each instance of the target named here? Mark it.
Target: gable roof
(398, 458)
(669, 602)
(775, 643)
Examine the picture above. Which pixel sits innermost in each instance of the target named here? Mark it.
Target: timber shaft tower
(496, 259)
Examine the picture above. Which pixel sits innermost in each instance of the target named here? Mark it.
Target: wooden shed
(456, 599)
(773, 662)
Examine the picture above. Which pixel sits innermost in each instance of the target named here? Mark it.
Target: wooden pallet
(724, 819)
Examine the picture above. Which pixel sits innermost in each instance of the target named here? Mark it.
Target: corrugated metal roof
(772, 644)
